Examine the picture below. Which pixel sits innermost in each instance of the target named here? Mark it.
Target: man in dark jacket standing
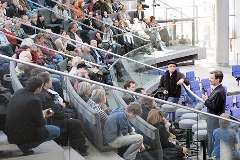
(171, 82)
(25, 119)
(215, 104)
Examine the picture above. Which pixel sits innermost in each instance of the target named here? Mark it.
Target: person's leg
(53, 132)
(173, 100)
(7, 50)
(133, 141)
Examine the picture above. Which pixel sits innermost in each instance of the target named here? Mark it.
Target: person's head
(140, 91)
(40, 17)
(59, 3)
(17, 23)
(73, 27)
(148, 103)
(95, 15)
(8, 24)
(90, 14)
(47, 80)
(75, 3)
(39, 38)
(48, 33)
(35, 72)
(78, 52)
(155, 116)
(146, 19)
(34, 18)
(172, 66)
(135, 20)
(15, 2)
(25, 18)
(4, 4)
(107, 27)
(152, 19)
(216, 77)
(105, 14)
(130, 85)
(99, 43)
(86, 48)
(121, 24)
(99, 96)
(139, 7)
(224, 123)
(75, 61)
(95, 86)
(93, 43)
(82, 73)
(115, 23)
(28, 42)
(84, 89)
(124, 9)
(34, 84)
(133, 110)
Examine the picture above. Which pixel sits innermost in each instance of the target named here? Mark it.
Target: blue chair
(238, 101)
(229, 103)
(190, 75)
(199, 93)
(236, 114)
(236, 72)
(194, 86)
(205, 83)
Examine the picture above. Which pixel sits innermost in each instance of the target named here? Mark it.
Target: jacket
(136, 15)
(170, 83)
(24, 120)
(116, 125)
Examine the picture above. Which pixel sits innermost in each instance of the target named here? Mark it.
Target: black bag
(173, 153)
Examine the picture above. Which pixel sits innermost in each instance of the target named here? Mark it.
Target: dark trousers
(71, 134)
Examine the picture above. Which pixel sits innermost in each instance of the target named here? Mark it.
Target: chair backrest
(199, 93)
(194, 85)
(190, 75)
(88, 116)
(16, 84)
(238, 101)
(229, 103)
(225, 88)
(205, 83)
(236, 112)
(235, 70)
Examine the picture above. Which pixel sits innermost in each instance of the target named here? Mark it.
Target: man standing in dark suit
(139, 13)
(215, 104)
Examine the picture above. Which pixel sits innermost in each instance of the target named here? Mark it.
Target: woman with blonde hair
(84, 90)
(156, 118)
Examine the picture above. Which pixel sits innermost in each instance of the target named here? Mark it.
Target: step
(71, 154)
(48, 151)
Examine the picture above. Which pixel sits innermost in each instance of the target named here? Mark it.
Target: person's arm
(182, 79)
(213, 101)
(122, 121)
(58, 13)
(164, 137)
(36, 113)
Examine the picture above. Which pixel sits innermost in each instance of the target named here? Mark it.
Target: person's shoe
(119, 79)
(29, 152)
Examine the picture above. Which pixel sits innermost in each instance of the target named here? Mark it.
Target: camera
(155, 4)
(49, 111)
(145, 6)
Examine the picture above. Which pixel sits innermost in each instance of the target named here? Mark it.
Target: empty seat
(205, 83)
(229, 103)
(194, 86)
(191, 76)
(236, 114)
(236, 72)
(238, 101)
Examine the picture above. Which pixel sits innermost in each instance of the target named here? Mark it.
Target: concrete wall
(236, 41)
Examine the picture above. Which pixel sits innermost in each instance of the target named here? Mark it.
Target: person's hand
(63, 104)
(180, 82)
(204, 97)
(142, 148)
(45, 114)
(165, 92)
(173, 142)
(172, 135)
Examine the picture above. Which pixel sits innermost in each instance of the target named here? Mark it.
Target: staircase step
(71, 154)
(48, 151)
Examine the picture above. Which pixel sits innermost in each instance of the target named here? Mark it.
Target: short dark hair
(35, 72)
(71, 25)
(218, 75)
(139, 90)
(33, 83)
(134, 108)
(127, 84)
(46, 77)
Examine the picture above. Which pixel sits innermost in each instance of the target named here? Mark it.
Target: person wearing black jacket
(63, 118)
(25, 119)
(15, 10)
(215, 104)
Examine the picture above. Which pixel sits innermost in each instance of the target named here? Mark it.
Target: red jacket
(10, 39)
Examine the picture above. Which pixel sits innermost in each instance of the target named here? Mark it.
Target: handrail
(52, 50)
(116, 55)
(115, 88)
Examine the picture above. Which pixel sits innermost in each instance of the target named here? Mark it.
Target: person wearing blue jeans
(26, 121)
(171, 81)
